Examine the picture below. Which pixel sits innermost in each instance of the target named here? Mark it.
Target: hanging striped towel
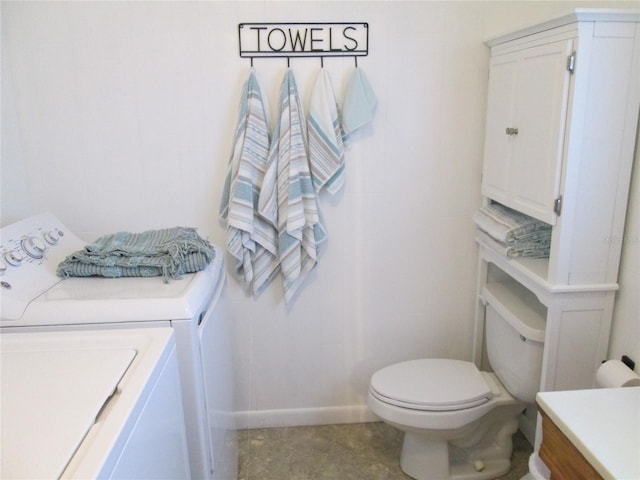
(359, 102)
(326, 148)
(251, 240)
(288, 198)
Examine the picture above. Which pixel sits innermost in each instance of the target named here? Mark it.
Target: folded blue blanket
(168, 252)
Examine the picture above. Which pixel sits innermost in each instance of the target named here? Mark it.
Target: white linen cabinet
(562, 113)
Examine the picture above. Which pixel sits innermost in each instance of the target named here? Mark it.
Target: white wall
(625, 334)
(119, 116)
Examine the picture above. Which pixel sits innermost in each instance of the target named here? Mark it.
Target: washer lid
(50, 400)
(431, 384)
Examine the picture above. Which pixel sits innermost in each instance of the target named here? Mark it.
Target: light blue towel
(169, 252)
(251, 240)
(326, 148)
(510, 226)
(359, 103)
(288, 199)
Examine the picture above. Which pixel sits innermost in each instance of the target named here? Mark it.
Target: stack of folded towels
(168, 252)
(512, 233)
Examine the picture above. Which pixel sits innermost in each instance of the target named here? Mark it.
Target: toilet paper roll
(614, 373)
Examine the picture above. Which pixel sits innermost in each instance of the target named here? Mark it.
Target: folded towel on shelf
(288, 199)
(326, 148)
(509, 226)
(168, 252)
(251, 240)
(359, 102)
(535, 249)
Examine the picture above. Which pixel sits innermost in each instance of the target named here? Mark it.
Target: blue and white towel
(288, 199)
(251, 240)
(533, 249)
(326, 148)
(359, 103)
(510, 226)
(511, 233)
(169, 252)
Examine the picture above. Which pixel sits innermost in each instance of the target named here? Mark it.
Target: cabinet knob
(511, 131)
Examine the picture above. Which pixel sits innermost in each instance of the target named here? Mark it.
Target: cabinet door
(526, 116)
(541, 113)
(500, 112)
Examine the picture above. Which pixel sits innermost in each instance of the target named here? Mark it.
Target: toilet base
(424, 457)
(428, 460)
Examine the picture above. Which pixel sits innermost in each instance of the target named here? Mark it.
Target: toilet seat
(433, 384)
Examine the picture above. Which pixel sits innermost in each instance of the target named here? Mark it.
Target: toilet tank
(515, 342)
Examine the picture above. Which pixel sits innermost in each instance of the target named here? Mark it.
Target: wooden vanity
(591, 434)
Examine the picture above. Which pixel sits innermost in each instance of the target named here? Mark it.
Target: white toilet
(459, 421)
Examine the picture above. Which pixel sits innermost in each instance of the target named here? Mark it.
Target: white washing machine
(34, 298)
(93, 404)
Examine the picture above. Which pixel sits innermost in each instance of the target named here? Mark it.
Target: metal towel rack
(292, 40)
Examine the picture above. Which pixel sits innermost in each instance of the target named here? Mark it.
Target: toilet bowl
(458, 421)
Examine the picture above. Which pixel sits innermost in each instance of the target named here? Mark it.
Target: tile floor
(362, 451)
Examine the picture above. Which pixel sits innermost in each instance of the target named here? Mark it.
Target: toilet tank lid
(526, 319)
(432, 384)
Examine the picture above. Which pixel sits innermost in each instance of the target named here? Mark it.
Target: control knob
(13, 258)
(34, 247)
(51, 237)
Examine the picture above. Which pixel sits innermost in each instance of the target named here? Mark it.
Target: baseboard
(298, 417)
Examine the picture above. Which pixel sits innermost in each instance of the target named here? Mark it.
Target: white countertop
(603, 424)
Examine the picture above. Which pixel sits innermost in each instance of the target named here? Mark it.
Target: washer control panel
(29, 246)
(20, 242)
(30, 251)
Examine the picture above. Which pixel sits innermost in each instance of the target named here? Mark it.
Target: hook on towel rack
(288, 57)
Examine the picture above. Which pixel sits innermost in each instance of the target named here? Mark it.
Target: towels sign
(303, 39)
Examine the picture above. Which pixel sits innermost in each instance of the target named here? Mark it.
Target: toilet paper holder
(628, 362)
(617, 373)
